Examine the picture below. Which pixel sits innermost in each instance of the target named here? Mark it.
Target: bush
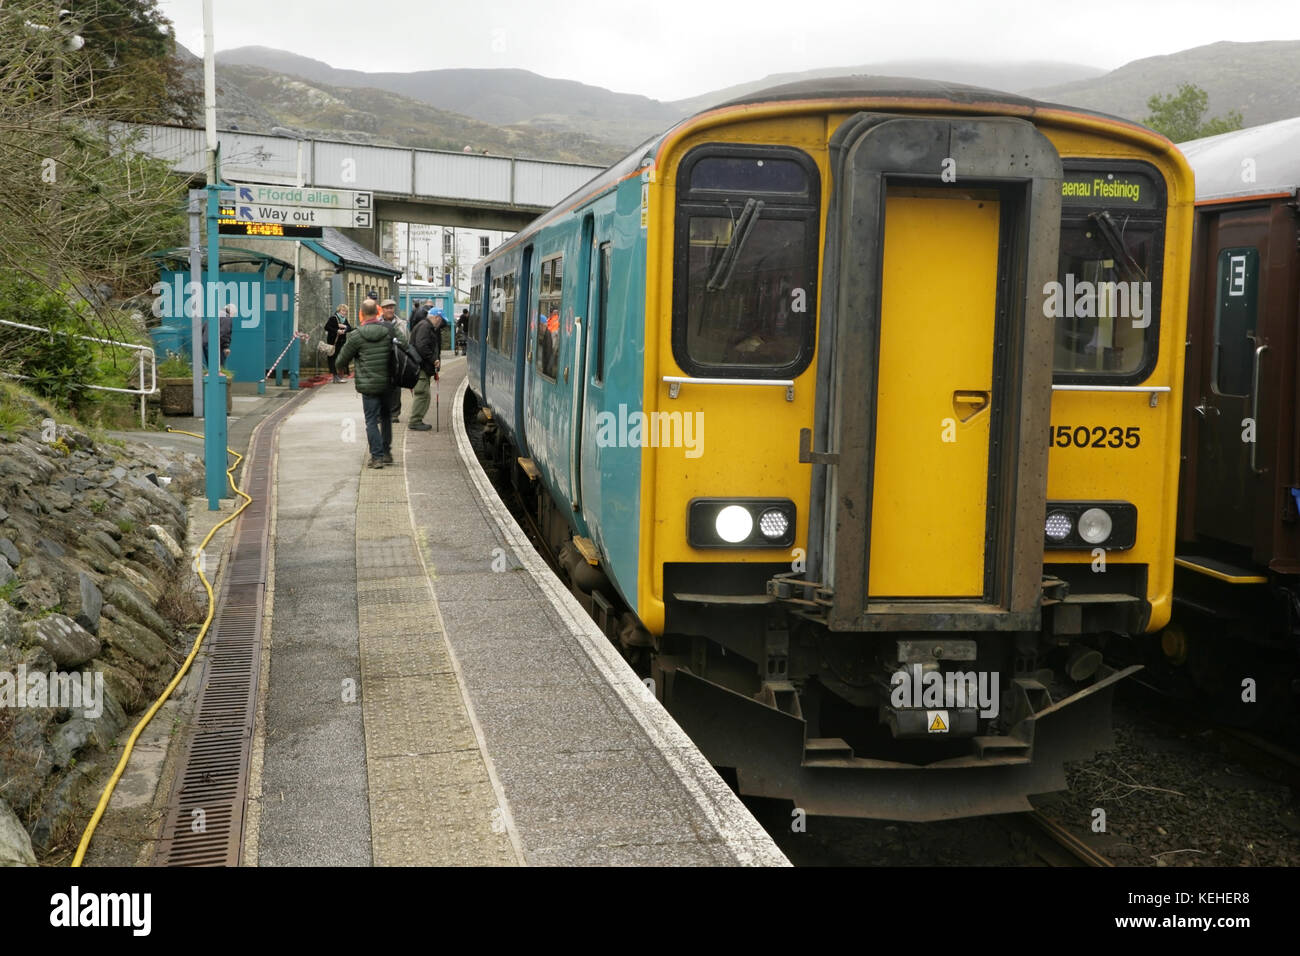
(57, 366)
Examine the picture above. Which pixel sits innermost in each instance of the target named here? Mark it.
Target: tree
(1178, 116)
(80, 208)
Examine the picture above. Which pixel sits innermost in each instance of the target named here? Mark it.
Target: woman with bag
(336, 332)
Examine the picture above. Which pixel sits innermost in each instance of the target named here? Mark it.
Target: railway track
(1057, 846)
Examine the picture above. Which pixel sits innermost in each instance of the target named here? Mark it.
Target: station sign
(230, 225)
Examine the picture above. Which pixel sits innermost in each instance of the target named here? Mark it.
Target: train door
(940, 381)
(482, 318)
(582, 313)
(1225, 418)
(523, 296)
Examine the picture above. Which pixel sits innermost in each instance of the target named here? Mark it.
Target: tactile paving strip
(431, 800)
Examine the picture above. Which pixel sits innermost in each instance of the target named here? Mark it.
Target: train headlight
(740, 522)
(1059, 526)
(1095, 526)
(773, 524)
(1084, 525)
(734, 524)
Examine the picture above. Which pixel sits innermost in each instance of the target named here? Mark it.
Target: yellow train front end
(926, 339)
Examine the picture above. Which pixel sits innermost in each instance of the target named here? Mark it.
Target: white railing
(145, 351)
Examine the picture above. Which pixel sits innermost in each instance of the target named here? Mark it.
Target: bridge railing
(397, 171)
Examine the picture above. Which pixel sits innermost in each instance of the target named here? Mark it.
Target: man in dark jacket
(426, 338)
(227, 327)
(371, 346)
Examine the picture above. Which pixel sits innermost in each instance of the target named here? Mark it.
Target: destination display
(1100, 188)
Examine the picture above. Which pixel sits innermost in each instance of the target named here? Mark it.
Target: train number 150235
(1095, 436)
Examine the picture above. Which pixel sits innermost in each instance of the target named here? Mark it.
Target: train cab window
(1106, 298)
(745, 262)
(1235, 307)
(548, 316)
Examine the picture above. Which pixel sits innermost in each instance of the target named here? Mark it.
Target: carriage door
(948, 231)
(1228, 465)
(582, 334)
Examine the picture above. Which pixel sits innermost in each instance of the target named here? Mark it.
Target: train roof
(906, 90)
(1260, 161)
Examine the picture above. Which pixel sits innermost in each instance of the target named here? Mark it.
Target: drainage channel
(205, 813)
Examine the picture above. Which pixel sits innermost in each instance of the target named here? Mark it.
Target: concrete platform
(422, 708)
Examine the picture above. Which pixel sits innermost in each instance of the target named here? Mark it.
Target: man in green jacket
(371, 346)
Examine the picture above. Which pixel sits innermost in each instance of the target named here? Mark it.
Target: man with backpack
(372, 346)
(426, 339)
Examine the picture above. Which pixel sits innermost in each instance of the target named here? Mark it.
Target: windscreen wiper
(1126, 264)
(721, 273)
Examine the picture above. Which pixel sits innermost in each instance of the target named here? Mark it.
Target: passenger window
(496, 312)
(1235, 309)
(548, 316)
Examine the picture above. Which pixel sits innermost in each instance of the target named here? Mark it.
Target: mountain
(498, 97)
(1257, 79)
(1007, 77)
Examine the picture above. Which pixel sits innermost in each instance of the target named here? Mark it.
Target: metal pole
(214, 423)
(295, 358)
(194, 299)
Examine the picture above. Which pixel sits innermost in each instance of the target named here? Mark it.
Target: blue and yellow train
(849, 409)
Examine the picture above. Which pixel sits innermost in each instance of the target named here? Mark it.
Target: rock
(167, 541)
(3, 514)
(87, 603)
(6, 572)
(104, 540)
(70, 644)
(131, 646)
(37, 595)
(125, 688)
(119, 472)
(136, 577)
(81, 730)
(64, 804)
(68, 485)
(15, 844)
(9, 552)
(130, 601)
(56, 500)
(11, 625)
(52, 548)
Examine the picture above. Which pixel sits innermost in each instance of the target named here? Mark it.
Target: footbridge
(410, 185)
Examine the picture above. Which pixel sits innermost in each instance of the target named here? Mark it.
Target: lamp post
(294, 359)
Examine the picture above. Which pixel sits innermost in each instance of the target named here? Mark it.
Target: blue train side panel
(539, 413)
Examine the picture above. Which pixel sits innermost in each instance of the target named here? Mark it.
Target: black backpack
(403, 365)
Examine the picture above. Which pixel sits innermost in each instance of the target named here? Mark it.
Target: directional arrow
(246, 194)
(245, 213)
(362, 200)
(362, 220)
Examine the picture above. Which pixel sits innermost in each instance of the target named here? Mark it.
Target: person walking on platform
(418, 313)
(336, 333)
(462, 332)
(426, 338)
(388, 315)
(371, 346)
(227, 326)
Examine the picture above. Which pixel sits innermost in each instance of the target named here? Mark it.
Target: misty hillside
(1258, 79)
(1007, 77)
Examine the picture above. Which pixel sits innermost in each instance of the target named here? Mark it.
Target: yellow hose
(198, 641)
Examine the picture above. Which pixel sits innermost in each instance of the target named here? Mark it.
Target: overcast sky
(678, 48)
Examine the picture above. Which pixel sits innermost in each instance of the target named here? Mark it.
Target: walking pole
(437, 407)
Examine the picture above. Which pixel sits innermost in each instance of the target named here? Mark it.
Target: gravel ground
(1178, 793)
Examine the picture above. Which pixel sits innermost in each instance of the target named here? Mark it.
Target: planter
(177, 396)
